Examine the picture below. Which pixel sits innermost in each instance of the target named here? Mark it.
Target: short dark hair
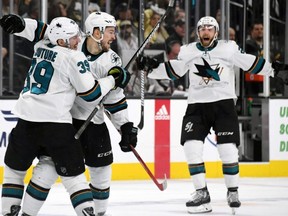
(170, 44)
(256, 22)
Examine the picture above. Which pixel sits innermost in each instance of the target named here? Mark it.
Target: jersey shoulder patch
(115, 58)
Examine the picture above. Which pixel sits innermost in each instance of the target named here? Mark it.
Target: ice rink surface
(259, 196)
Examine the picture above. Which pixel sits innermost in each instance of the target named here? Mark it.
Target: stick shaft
(147, 39)
(161, 186)
(87, 121)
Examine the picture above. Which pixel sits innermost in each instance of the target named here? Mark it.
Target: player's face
(74, 41)
(206, 34)
(108, 37)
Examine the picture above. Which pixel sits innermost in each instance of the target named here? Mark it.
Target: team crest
(208, 72)
(114, 58)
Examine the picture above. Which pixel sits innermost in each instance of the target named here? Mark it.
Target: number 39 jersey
(55, 75)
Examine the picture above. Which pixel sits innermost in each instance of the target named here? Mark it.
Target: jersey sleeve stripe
(170, 72)
(116, 107)
(93, 94)
(40, 31)
(257, 66)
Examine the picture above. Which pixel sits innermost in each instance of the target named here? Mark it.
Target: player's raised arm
(32, 30)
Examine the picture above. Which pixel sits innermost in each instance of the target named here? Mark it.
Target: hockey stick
(139, 51)
(136, 54)
(142, 73)
(87, 121)
(162, 186)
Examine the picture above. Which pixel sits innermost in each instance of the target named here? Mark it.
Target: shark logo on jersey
(114, 58)
(207, 72)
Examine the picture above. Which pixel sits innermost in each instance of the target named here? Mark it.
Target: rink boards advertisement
(278, 120)
(159, 141)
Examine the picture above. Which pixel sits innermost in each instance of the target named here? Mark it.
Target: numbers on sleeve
(42, 73)
(84, 66)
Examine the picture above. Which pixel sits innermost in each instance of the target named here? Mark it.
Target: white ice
(259, 196)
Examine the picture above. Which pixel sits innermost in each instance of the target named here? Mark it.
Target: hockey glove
(129, 136)
(147, 63)
(121, 76)
(12, 23)
(278, 66)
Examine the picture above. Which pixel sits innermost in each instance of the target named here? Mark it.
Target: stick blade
(163, 185)
(140, 125)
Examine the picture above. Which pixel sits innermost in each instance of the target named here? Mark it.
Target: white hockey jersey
(115, 102)
(55, 76)
(211, 74)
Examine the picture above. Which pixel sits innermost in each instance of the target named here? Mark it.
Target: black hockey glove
(12, 23)
(147, 63)
(121, 76)
(278, 66)
(129, 136)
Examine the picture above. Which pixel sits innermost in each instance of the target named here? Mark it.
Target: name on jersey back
(48, 55)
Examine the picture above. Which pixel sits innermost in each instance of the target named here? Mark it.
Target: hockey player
(58, 72)
(211, 104)
(95, 140)
(101, 30)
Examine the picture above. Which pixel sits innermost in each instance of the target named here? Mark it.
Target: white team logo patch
(162, 114)
(114, 58)
(188, 127)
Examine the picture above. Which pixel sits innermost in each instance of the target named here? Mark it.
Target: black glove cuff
(126, 128)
